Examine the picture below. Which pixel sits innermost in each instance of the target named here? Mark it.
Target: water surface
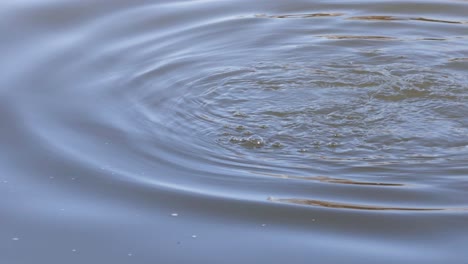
(233, 131)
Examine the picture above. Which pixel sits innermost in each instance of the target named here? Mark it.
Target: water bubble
(336, 135)
(239, 114)
(253, 142)
(235, 140)
(277, 145)
(316, 143)
(248, 133)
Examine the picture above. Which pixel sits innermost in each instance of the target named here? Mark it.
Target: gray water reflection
(233, 131)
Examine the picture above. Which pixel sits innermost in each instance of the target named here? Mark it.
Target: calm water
(233, 131)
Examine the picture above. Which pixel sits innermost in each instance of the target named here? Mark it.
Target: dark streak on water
(233, 131)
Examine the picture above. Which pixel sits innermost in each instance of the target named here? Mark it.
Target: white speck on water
(129, 254)
(313, 220)
(15, 239)
(194, 236)
(174, 214)
(263, 225)
(74, 250)
(51, 177)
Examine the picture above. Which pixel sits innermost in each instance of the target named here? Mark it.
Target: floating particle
(194, 236)
(277, 145)
(248, 133)
(239, 114)
(74, 250)
(263, 225)
(15, 239)
(174, 214)
(129, 254)
(240, 128)
(250, 142)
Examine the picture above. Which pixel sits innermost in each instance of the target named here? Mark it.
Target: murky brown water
(233, 131)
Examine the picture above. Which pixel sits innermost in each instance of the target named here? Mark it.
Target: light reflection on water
(169, 132)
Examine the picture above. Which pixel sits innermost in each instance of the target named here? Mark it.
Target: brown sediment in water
(327, 179)
(395, 18)
(433, 39)
(382, 18)
(352, 37)
(312, 15)
(370, 18)
(435, 20)
(459, 60)
(357, 207)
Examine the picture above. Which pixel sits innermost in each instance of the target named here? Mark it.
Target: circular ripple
(302, 113)
(227, 93)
